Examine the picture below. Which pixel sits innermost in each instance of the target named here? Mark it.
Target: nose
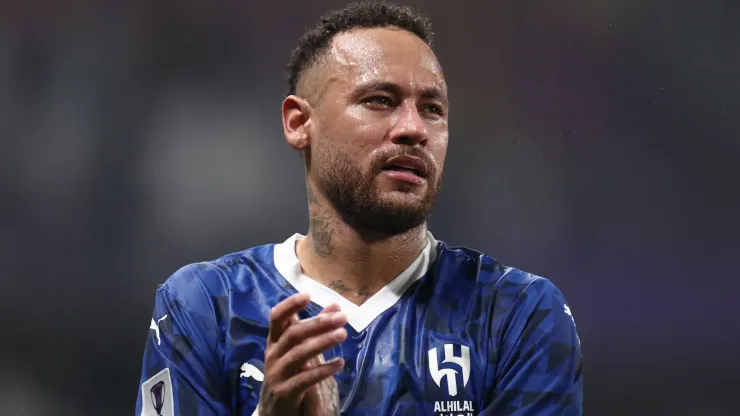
(410, 128)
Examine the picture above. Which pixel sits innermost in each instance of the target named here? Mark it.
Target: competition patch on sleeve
(156, 395)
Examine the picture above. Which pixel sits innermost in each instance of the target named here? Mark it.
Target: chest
(410, 360)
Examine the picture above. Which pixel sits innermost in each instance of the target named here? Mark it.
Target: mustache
(380, 159)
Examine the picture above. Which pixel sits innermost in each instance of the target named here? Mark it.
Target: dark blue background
(593, 142)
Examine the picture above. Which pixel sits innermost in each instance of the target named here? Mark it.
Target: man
(367, 313)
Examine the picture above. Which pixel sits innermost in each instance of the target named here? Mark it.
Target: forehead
(388, 54)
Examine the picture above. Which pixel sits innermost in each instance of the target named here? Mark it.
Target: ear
(296, 118)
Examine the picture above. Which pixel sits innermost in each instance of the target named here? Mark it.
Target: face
(378, 146)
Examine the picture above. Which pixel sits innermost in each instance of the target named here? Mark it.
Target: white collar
(359, 317)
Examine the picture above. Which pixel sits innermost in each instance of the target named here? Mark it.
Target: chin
(402, 198)
(403, 189)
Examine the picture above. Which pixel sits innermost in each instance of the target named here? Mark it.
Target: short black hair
(366, 14)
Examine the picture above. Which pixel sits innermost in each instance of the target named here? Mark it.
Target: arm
(181, 372)
(539, 369)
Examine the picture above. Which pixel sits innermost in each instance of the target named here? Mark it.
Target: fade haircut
(368, 14)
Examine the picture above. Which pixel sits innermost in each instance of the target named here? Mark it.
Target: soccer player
(368, 313)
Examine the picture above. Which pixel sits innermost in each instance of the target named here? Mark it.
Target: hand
(322, 399)
(293, 369)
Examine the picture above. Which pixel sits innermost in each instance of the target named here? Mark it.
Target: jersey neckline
(358, 317)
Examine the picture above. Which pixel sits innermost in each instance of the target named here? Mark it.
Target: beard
(355, 196)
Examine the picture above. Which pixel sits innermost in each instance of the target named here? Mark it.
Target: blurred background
(595, 143)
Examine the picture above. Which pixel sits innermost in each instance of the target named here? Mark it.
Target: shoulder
(509, 291)
(199, 284)
(487, 270)
(532, 341)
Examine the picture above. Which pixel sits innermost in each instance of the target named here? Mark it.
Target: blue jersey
(457, 333)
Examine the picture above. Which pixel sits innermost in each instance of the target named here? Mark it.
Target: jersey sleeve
(539, 368)
(181, 371)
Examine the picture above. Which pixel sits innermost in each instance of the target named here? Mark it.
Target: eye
(435, 109)
(379, 100)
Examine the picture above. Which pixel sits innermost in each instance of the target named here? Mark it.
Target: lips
(405, 163)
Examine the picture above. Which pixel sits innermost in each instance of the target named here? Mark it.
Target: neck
(343, 259)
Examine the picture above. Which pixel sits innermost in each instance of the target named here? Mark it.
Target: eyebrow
(395, 89)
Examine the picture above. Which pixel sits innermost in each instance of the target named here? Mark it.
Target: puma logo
(155, 327)
(248, 370)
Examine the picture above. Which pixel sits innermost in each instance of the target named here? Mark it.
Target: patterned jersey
(457, 333)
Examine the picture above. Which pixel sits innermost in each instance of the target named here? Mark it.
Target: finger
(296, 358)
(283, 314)
(302, 381)
(314, 362)
(331, 308)
(302, 330)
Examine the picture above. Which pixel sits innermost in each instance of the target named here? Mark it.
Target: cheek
(359, 132)
(341, 145)
(438, 149)
(358, 125)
